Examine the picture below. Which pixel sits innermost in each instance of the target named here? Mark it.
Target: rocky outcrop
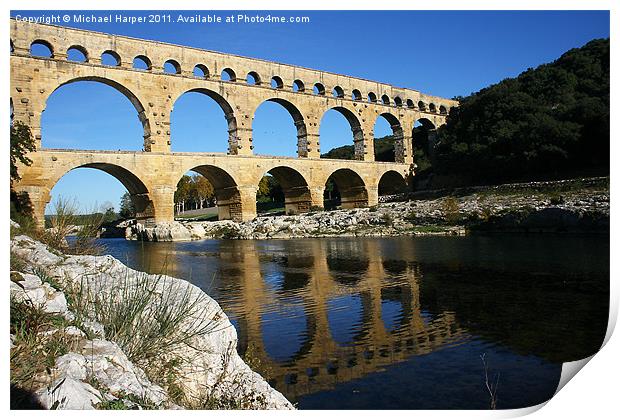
(515, 209)
(97, 370)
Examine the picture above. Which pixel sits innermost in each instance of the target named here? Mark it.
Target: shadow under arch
(126, 92)
(229, 114)
(397, 133)
(356, 129)
(297, 196)
(226, 191)
(426, 123)
(298, 121)
(351, 186)
(145, 210)
(424, 138)
(392, 182)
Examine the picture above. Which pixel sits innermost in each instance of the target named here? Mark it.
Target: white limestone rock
(105, 361)
(67, 393)
(201, 366)
(42, 295)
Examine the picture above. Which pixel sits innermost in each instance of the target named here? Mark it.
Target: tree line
(549, 122)
(193, 192)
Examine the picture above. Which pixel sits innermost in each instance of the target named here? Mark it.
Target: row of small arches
(78, 53)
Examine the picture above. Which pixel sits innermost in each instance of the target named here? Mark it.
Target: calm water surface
(401, 323)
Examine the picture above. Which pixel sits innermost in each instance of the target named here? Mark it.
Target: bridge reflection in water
(314, 313)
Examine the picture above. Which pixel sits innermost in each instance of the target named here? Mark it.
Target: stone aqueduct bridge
(151, 175)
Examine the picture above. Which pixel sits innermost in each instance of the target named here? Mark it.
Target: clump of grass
(61, 225)
(412, 217)
(64, 223)
(146, 318)
(17, 263)
(429, 229)
(149, 319)
(556, 199)
(451, 210)
(38, 340)
(224, 232)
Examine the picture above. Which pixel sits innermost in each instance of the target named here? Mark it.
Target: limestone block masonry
(151, 175)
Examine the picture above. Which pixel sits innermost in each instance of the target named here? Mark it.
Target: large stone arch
(353, 189)
(133, 98)
(298, 120)
(229, 114)
(391, 182)
(397, 132)
(295, 186)
(137, 188)
(230, 204)
(356, 129)
(426, 123)
(429, 140)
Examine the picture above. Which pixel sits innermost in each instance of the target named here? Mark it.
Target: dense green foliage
(384, 151)
(21, 143)
(127, 208)
(193, 192)
(548, 122)
(342, 152)
(269, 190)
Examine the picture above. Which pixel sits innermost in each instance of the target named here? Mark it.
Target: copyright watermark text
(154, 18)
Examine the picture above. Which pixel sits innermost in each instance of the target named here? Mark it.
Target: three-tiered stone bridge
(239, 85)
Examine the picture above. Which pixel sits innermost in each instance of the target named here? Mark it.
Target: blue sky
(438, 52)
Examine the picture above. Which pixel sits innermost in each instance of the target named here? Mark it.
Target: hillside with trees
(384, 150)
(549, 122)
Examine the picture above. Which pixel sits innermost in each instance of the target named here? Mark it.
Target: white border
(593, 394)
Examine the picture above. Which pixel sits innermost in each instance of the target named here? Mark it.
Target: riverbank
(580, 205)
(89, 332)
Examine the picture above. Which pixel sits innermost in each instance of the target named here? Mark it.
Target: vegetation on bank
(551, 122)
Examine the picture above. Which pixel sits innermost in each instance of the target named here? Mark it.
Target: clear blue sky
(437, 52)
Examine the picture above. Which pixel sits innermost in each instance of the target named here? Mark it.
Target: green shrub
(387, 219)
(451, 210)
(556, 199)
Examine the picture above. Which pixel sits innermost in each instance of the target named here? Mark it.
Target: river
(401, 323)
